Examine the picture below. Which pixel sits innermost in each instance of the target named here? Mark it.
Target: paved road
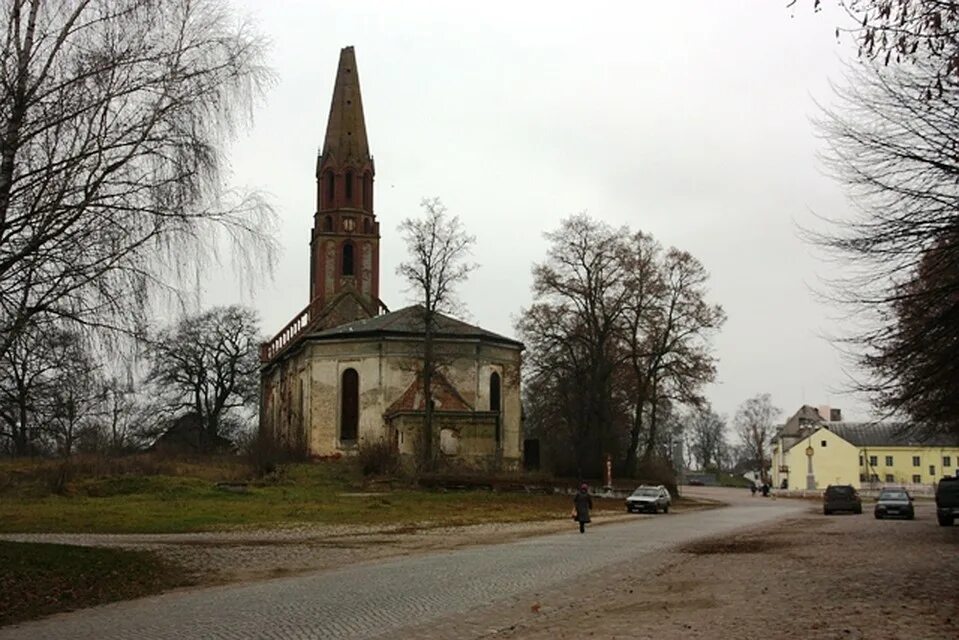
(363, 601)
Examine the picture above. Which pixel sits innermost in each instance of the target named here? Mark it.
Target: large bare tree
(439, 248)
(755, 424)
(706, 433)
(579, 300)
(617, 338)
(208, 364)
(113, 119)
(896, 150)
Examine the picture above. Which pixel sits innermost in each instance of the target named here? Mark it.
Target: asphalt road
(384, 597)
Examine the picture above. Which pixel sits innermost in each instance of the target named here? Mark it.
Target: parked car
(651, 499)
(894, 502)
(947, 500)
(841, 497)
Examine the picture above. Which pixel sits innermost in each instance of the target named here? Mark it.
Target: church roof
(346, 128)
(887, 434)
(409, 322)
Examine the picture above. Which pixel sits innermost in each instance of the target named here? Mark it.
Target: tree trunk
(634, 433)
(428, 390)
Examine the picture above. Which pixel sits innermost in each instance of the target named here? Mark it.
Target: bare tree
(707, 437)
(620, 333)
(679, 357)
(905, 31)
(113, 116)
(74, 405)
(438, 248)
(897, 153)
(208, 364)
(579, 301)
(754, 423)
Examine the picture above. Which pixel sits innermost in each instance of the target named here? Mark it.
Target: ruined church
(345, 369)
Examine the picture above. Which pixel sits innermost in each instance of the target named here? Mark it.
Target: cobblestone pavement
(385, 597)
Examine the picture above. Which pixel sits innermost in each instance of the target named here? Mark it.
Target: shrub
(377, 457)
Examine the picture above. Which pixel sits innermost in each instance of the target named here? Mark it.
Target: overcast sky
(688, 120)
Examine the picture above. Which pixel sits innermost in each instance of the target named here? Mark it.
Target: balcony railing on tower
(287, 335)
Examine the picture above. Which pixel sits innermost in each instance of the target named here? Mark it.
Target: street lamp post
(810, 476)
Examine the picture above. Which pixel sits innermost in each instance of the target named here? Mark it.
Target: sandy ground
(818, 577)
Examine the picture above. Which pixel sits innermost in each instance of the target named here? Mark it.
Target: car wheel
(859, 511)
(666, 509)
(911, 516)
(826, 511)
(878, 517)
(944, 521)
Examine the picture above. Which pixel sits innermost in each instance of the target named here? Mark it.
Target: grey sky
(688, 120)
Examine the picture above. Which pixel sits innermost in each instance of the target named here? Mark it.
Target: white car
(650, 499)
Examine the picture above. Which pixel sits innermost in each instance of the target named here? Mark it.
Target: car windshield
(843, 491)
(948, 486)
(645, 492)
(893, 495)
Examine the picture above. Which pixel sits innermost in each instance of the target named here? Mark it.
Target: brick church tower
(345, 240)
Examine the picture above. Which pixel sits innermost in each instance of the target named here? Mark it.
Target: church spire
(345, 241)
(345, 141)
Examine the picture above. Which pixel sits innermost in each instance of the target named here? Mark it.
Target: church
(345, 370)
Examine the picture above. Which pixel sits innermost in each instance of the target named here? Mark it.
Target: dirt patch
(733, 545)
(814, 577)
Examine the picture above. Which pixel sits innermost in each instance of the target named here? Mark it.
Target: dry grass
(160, 496)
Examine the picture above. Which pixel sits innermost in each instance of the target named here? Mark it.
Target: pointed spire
(346, 130)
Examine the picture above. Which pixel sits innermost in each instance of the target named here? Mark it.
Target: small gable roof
(445, 397)
(408, 322)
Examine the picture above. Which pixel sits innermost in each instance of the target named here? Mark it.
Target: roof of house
(887, 434)
(409, 322)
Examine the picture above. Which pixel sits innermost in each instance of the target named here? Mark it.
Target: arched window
(330, 185)
(347, 259)
(494, 392)
(349, 405)
(349, 187)
(328, 223)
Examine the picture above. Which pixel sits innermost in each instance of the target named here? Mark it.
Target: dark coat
(583, 504)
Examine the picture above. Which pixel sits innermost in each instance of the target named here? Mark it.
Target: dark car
(894, 503)
(947, 500)
(841, 497)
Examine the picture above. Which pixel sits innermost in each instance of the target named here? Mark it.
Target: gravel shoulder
(811, 576)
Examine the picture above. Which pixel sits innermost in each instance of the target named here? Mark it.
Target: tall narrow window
(494, 404)
(347, 259)
(328, 223)
(349, 187)
(494, 392)
(349, 405)
(368, 191)
(330, 185)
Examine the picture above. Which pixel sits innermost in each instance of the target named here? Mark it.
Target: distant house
(188, 435)
(815, 447)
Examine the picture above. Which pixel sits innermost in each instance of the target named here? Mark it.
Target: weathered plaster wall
(386, 368)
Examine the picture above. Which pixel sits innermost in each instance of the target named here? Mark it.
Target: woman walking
(582, 503)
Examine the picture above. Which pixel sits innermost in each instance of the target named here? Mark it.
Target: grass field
(39, 579)
(327, 492)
